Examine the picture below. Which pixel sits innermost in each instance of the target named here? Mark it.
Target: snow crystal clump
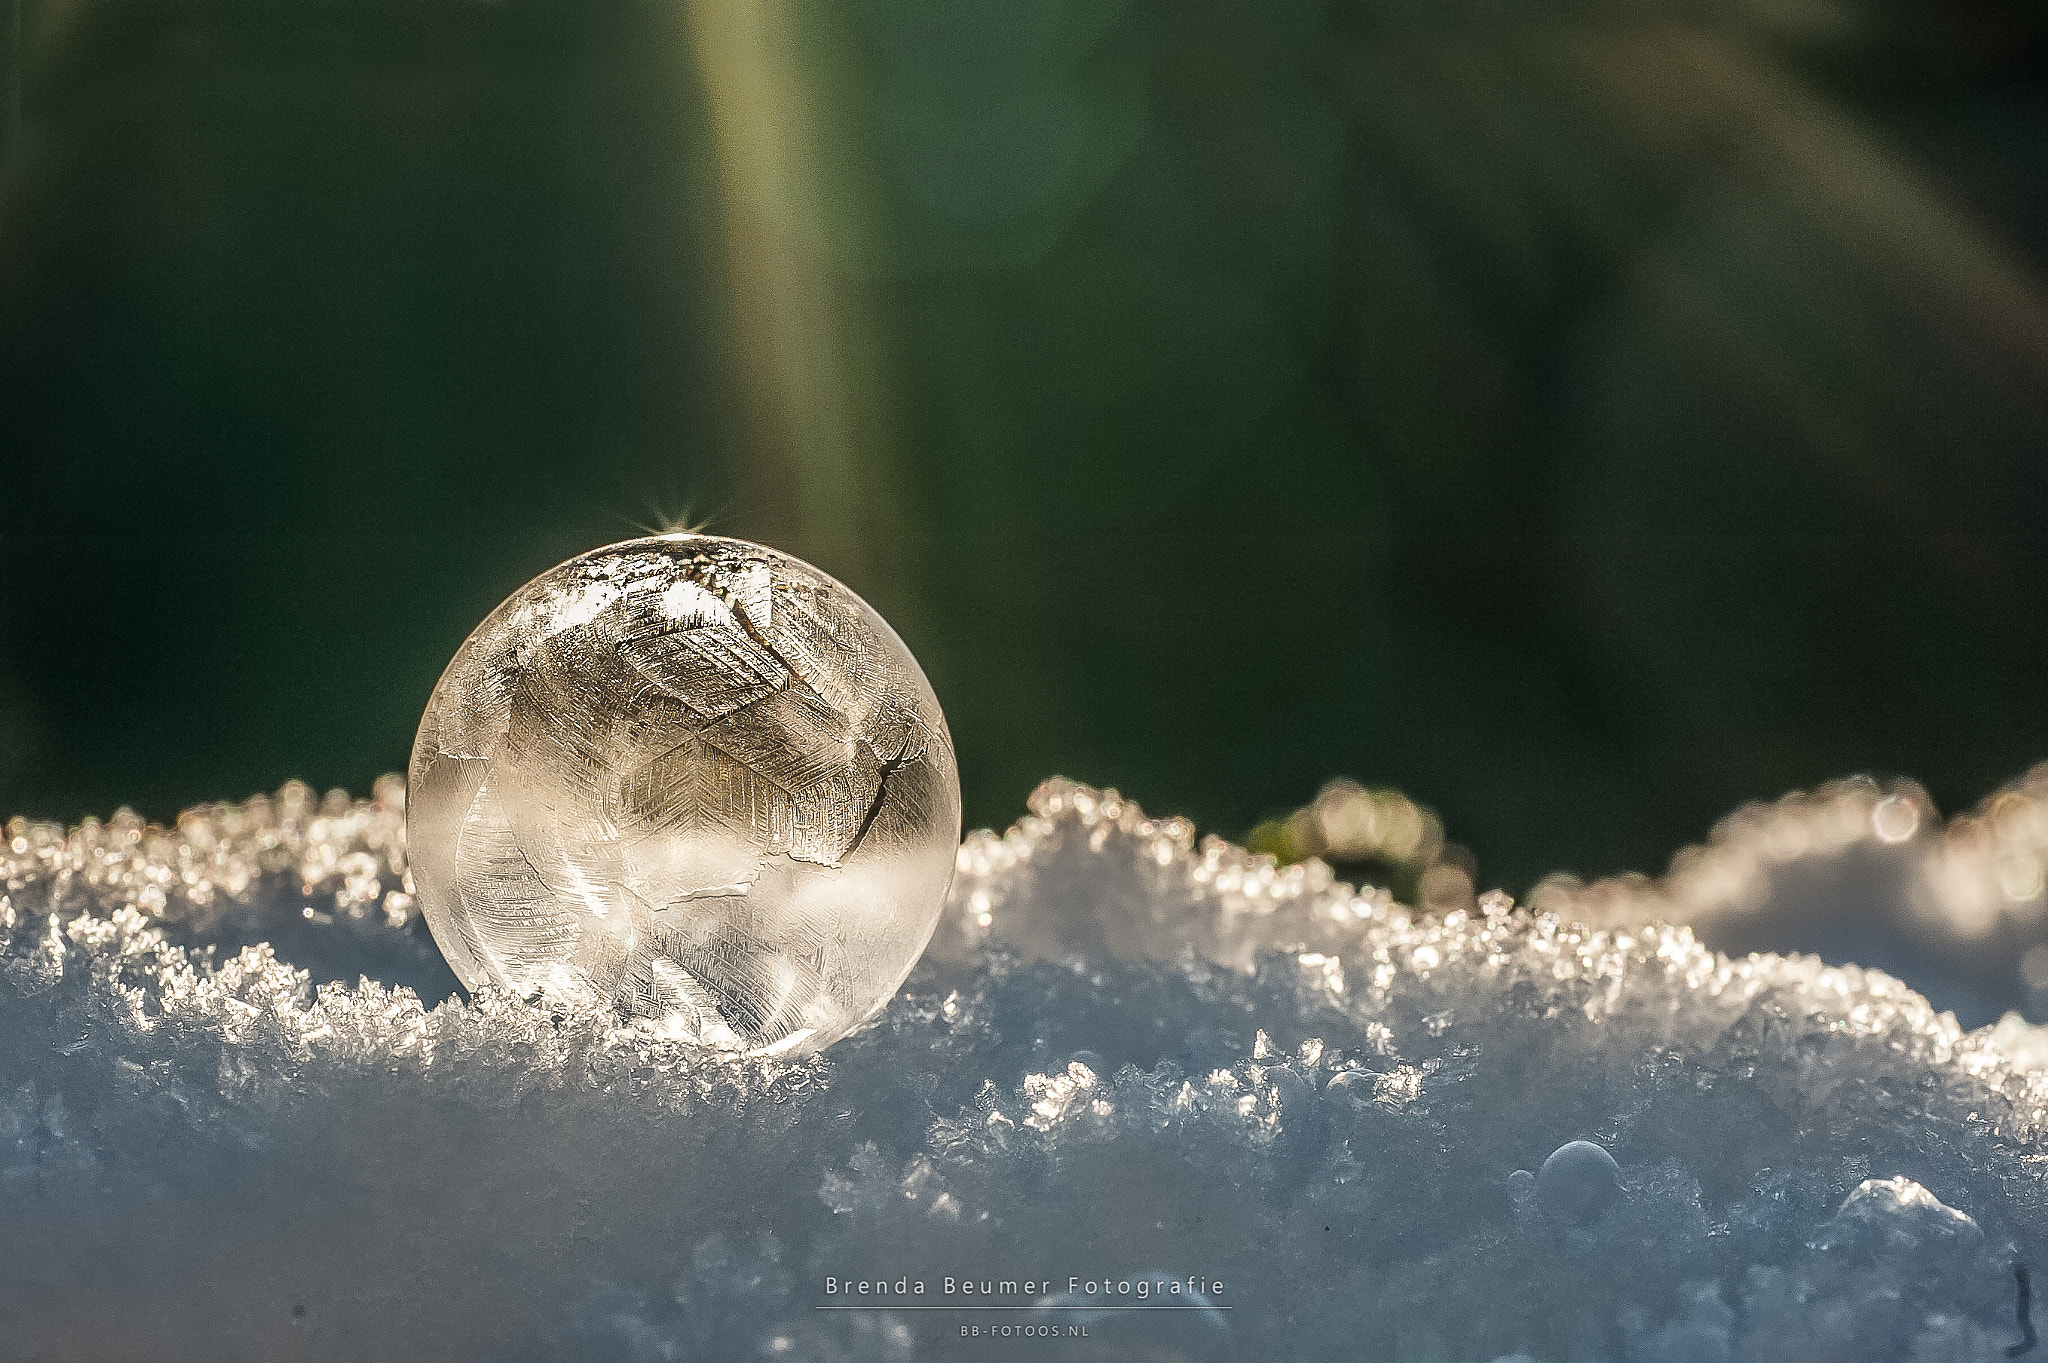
(1133, 1072)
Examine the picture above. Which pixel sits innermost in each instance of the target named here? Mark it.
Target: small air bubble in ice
(1578, 1181)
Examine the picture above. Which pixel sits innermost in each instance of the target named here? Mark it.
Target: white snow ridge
(1131, 1073)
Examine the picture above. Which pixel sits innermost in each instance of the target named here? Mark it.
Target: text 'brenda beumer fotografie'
(1074, 1292)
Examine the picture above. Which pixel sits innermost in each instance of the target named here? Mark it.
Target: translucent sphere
(694, 778)
(1578, 1181)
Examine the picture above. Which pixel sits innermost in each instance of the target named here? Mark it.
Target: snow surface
(1317, 1124)
(1859, 871)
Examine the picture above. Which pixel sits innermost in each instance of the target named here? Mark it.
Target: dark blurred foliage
(1582, 416)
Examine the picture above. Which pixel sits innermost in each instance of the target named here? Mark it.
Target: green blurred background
(1582, 416)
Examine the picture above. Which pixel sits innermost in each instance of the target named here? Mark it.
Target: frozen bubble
(1521, 1185)
(693, 778)
(1578, 1181)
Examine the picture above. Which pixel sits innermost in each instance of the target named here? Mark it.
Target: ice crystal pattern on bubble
(692, 777)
